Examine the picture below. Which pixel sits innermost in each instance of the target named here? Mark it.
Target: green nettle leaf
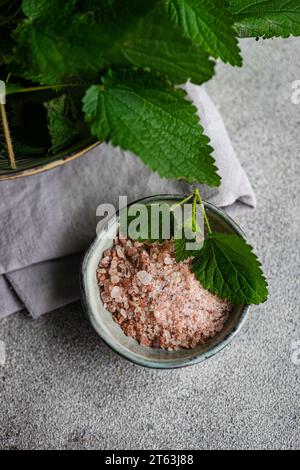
(195, 235)
(266, 18)
(159, 226)
(63, 39)
(227, 266)
(209, 24)
(50, 55)
(61, 121)
(145, 114)
(158, 45)
(181, 253)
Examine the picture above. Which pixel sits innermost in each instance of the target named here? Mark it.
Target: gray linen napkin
(48, 219)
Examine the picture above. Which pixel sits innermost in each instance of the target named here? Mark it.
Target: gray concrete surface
(62, 388)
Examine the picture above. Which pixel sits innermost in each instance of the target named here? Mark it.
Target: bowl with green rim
(112, 334)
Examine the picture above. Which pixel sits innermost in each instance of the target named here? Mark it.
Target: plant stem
(7, 137)
(46, 87)
(194, 210)
(197, 194)
(182, 202)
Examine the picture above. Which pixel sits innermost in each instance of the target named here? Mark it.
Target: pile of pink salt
(156, 300)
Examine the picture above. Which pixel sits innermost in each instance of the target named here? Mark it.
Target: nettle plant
(111, 69)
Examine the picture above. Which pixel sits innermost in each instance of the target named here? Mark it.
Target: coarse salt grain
(156, 300)
(144, 277)
(120, 251)
(116, 293)
(115, 279)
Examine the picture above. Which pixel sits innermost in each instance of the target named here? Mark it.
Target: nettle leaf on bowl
(227, 267)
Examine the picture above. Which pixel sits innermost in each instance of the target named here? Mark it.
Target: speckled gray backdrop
(62, 388)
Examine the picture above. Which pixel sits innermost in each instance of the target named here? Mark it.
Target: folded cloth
(48, 219)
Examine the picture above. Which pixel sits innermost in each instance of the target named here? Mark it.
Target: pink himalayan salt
(144, 277)
(156, 300)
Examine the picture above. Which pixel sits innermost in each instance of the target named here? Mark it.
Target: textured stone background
(62, 388)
